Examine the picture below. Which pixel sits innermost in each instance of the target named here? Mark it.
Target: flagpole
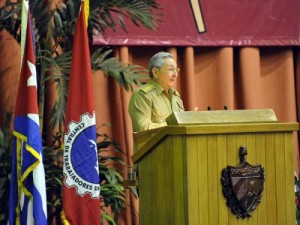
(28, 202)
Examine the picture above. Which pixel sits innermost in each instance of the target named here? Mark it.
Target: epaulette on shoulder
(147, 87)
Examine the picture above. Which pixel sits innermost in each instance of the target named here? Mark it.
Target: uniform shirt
(150, 105)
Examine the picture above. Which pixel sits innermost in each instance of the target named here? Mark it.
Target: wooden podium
(179, 167)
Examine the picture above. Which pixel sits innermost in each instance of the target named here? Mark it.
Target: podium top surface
(222, 117)
(210, 122)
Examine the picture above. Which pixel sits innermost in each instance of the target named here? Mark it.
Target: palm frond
(60, 76)
(41, 17)
(64, 25)
(107, 14)
(10, 18)
(125, 75)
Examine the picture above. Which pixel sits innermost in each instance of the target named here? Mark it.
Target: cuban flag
(81, 184)
(28, 203)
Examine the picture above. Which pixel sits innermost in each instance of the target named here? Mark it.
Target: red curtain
(235, 77)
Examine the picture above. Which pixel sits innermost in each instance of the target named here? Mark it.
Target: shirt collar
(157, 86)
(160, 90)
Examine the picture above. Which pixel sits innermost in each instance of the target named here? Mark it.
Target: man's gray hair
(157, 61)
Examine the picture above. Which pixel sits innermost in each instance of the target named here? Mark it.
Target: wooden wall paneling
(180, 199)
(241, 140)
(145, 185)
(270, 177)
(222, 209)
(252, 159)
(288, 146)
(261, 154)
(280, 177)
(159, 188)
(203, 167)
(168, 176)
(232, 159)
(213, 181)
(194, 210)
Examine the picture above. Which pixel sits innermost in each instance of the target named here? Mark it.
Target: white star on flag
(32, 81)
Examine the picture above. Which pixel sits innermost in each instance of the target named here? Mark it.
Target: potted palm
(54, 28)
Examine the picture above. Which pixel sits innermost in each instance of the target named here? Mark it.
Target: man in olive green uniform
(153, 102)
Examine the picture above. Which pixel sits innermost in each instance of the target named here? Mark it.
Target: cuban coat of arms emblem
(243, 186)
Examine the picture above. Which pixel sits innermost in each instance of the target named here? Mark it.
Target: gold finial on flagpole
(86, 11)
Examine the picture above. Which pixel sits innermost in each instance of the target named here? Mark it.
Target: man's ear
(154, 72)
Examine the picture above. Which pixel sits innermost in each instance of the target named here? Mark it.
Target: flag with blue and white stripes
(28, 203)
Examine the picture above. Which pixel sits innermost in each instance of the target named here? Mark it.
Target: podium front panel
(180, 174)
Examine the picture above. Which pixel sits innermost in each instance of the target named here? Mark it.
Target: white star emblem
(32, 79)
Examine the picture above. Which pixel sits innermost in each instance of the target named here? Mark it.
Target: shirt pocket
(157, 115)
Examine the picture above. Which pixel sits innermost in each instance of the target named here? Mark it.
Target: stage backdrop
(215, 23)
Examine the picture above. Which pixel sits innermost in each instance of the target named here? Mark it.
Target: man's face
(167, 74)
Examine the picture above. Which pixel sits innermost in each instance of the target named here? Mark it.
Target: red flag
(81, 184)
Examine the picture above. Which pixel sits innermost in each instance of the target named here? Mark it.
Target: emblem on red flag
(80, 154)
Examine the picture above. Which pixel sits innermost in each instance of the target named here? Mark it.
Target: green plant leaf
(108, 218)
(133, 190)
(54, 30)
